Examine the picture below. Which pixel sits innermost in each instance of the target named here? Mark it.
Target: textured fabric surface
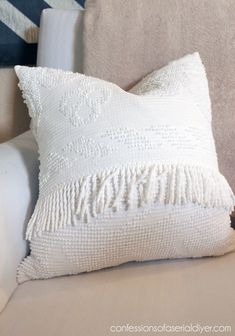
(121, 171)
(14, 118)
(163, 232)
(18, 193)
(125, 40)
(151, 293)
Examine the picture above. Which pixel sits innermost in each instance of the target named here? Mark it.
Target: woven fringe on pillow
(129, 187)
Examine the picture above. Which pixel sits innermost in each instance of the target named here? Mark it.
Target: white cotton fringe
(129, 187)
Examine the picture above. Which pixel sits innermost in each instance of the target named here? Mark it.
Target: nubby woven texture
(124, 175)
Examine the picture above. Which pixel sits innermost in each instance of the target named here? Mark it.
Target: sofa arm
(18, 194)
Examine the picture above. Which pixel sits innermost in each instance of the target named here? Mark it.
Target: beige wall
(14, 117)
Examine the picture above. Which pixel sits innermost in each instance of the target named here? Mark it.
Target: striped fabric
(19, 25)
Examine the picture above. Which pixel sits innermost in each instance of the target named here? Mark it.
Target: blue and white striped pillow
(19, 26)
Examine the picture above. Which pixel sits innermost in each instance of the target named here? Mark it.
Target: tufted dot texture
(124, 175)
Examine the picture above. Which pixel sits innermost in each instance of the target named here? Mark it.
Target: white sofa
(179, 292)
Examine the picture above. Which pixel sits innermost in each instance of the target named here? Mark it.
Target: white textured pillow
(124, 176)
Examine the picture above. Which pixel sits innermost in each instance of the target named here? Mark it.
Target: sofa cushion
(18, 194)
(172, 292)
(14, 117)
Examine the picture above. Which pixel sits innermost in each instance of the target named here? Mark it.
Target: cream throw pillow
(124, 175)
